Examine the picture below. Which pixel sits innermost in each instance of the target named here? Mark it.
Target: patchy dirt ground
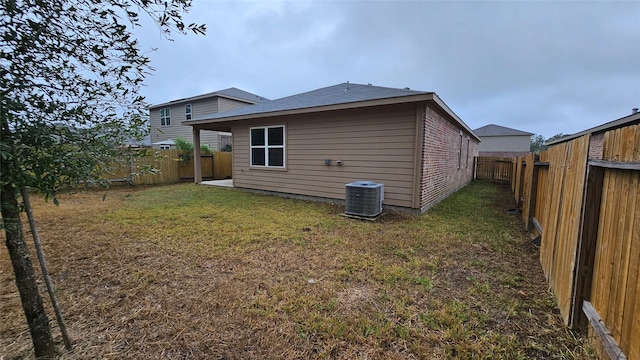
(194, 272)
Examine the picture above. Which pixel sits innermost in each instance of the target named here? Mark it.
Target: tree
(186, 149)
(557, 136)
(70, 76)
(537, 144)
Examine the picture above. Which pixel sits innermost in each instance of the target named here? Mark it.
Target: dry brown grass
(194, 272)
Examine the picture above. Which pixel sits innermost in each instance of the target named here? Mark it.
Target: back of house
(312, 144)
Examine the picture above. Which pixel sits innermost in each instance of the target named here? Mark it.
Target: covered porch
(197, 178)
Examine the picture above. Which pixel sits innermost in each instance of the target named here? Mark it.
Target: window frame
(188, 115)
(267, 147)
(468, 143)
(165, 116)
(460, 152)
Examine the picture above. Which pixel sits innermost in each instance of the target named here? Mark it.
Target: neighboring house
(166, 118)
(503, 141)
(312, 144)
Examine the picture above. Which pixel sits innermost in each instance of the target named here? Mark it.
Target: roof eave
(342, 106)
(427, 96)
(200, 97)
(448, 110)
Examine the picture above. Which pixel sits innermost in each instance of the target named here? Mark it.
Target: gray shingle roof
(331, 95)
(232, 92)
(497, 130)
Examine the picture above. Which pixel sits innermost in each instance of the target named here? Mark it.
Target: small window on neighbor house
(165, 117)
(267, 146)
(165, 147)
(187, 111)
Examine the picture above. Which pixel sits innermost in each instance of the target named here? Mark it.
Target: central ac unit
(364, 198)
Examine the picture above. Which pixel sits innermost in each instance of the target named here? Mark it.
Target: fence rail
(128, 169)
(494, 168)
(587, 212)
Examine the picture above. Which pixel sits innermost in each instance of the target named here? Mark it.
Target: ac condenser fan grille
(364, 198)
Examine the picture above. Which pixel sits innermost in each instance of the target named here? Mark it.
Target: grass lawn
(199, 272)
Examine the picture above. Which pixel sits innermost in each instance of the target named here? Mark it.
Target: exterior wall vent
(364, 198)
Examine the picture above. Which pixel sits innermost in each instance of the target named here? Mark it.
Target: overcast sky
(542, 67)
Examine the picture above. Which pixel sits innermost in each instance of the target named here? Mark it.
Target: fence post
(587, 240)
(532, 197)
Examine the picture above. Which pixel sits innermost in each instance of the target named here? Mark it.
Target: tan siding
(228, 104)
(204, 107)
(374, 144)
(201, 107)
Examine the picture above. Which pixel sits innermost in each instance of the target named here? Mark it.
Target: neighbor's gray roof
(497, 130)
(331, 95)
(230, 93)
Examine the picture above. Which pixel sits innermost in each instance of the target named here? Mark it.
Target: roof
(336, 94)
(611, 125)
(165, 142)
(340, 96)
(230, 93)
(497, 130)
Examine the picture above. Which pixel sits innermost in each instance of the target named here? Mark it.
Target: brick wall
(224, 141)
(596, 146)
(442, 171)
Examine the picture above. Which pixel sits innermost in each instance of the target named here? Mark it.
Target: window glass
(276, 136)
(276, 157)
(257, 157)
(257, 137)
(165, 117)
(187, 111)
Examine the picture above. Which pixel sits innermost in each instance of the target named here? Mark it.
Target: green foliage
(186, 149)
(537, 144)
(557, 136)
(70, 77)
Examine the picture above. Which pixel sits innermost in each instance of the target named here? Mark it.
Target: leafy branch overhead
(69, 84)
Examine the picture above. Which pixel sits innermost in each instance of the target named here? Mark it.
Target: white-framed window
(267, 145)
(165, 147)
(165, 117)
(187, 111)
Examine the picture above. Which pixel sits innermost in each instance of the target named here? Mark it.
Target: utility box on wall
(364, 198)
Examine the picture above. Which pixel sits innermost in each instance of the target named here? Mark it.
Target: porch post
(197, 170)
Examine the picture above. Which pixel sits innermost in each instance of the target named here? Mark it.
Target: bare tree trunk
(23, 270)
(43, 266)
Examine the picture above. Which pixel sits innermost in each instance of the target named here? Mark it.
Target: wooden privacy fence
(587, 212)
(134, 169)
(494, 168)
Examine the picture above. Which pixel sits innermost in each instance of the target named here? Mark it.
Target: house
(503, 141)
(312, 144)
(166, 118)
